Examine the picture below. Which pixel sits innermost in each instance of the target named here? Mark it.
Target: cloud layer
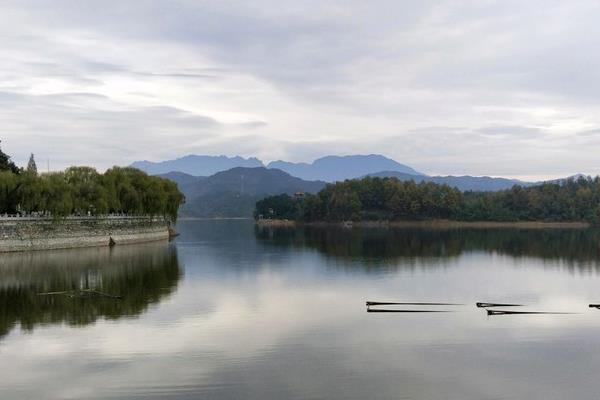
(498, 88)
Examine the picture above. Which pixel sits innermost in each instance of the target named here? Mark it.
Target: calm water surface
(228, 311)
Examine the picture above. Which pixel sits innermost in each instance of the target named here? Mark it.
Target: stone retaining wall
(44, 234)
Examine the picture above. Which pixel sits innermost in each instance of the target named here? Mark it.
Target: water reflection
(263, 315)
(85, 283)
(575, 248)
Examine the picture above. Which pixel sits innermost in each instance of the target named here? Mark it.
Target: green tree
(31, 166)
(9, 183)
(89, 196)
(82, 190)
(6, 163)
(281, 206)
(57, 194)
(29, 193)
(391, 199)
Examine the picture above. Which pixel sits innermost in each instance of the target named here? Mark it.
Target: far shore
(434, 224)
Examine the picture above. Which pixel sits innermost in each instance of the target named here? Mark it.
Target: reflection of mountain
(141, 274)
(575, 247)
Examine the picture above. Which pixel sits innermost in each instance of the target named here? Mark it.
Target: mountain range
(328, 169)
(197, 165)
(220, 186)
(191, 169)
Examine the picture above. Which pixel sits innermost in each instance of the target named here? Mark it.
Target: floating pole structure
(502, 312)
(380, 303)
(485, 305)
(55, 293)
(80, 293)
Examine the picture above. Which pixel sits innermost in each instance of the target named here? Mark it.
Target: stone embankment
(35, 233)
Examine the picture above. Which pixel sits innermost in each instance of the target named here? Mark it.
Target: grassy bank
(276, 222)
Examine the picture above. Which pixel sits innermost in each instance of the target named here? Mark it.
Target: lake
(231, 311)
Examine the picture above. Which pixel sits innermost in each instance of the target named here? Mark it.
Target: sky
(499, 88)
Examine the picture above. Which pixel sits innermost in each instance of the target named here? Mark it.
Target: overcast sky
(506, 88)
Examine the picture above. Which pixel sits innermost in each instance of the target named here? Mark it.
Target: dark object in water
(379, 303)
(80, 293)
(406, 311)
(502, 312)
(595, 306)
(485, 305)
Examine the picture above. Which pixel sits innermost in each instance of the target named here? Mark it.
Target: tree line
(391, 199)
(85, 191)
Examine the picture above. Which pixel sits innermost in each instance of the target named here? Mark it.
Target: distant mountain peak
(333, 168)
(328, 168)
(197, 165)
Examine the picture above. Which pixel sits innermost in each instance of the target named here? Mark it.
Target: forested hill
(391, 199)
(233, 193)
(181, 178)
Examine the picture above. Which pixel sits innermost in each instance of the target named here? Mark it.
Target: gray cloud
(589, 132)
(328, 78)
(83, 128)
(510, 130)
(253, 124)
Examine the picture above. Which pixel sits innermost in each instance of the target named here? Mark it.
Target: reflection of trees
(141, 274)
(579, 247)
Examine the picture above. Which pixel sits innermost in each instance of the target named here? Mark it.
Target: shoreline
(213, 218)
(433, 224)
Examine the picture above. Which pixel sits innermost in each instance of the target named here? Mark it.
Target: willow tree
(57, 194)
(83, 190)
(9, 182)
(89, 195)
